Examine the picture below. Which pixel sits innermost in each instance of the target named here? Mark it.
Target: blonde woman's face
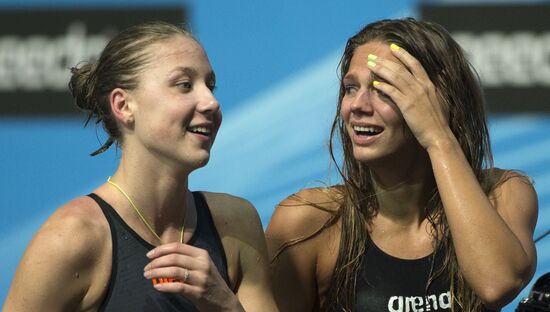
(176, 114)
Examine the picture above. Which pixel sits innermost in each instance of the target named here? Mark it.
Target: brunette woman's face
(176, 114)
(374, 123)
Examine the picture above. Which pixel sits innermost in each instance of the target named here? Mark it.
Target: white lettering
(432, 304)
(40, 63)
(414, 304)
(7, 62)
(392, 304)
(445, 300)
(541, 59)
(519, 59)
(419, 303)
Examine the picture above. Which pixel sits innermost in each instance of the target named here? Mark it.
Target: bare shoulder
(66, 248)
(513, 190)
(232, 213)
(79, 222)
(73, 233)
(303, 242)
(303, 213)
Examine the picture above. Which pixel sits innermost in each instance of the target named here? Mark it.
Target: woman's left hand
(189, 271)
(410, 88)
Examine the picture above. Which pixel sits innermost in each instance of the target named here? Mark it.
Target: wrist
(444, 143)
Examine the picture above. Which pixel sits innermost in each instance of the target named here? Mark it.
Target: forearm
(231, 305)
(490, 256)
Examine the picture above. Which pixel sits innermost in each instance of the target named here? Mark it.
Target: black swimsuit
(387, 283)
(128, 289)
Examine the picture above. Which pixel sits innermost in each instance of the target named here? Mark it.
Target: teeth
(369, 130)
(202, 130)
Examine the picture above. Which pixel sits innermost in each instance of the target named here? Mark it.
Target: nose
(362, 103)
(208, 104)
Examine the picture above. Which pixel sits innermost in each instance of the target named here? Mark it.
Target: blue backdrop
(276, 68)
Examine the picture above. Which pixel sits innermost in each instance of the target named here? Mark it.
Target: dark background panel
(37, 48)
(509, 45)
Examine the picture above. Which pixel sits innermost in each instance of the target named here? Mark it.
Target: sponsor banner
(509, 45)
(37, 48)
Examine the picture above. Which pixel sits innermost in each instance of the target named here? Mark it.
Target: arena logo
(41, 63)
(517, 59)
(420, 304)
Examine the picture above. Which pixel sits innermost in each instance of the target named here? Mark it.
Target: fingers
(397, 79)
(167, 275)
(388, 80)
(389, 90)
(177, 263)
(410, 62)
(391, 72)
(174, 259)
(180, 288)
(405, 74)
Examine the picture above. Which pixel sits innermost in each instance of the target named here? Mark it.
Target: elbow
(498, 294)
(502, 288)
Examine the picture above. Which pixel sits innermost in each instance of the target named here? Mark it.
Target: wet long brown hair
(459, 90)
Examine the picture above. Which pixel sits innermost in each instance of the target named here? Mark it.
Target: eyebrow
(191, 72)
(185, 70)
(350, 78)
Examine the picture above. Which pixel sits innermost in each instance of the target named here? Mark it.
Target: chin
(363, 155)
(200, 162)
(203, 163)
(194, 161)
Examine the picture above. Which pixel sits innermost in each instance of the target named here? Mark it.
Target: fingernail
(372, 57)
(371, 64)
(375, 82)
(394, 47)
(146, 274)
(150, 253)
(146, 267)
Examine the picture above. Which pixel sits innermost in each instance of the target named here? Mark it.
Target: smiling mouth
(367, 131)
(200, 130)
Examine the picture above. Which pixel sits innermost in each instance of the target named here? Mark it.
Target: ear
(120, 105)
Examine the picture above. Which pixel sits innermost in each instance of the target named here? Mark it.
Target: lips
(367, 130)
(365, 134)
(204, 130)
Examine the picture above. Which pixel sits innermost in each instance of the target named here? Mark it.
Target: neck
(160, 194)
(403, 190)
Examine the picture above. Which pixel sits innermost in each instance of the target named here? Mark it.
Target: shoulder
(66, 248)
(303, 241)
(227, 201)
(230, 212)
(75, 229)
(304, 212)
(508, 186)
(236, 221)
(515, 199)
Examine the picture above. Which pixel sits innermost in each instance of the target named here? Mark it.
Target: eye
(349, 89)
(212, 87)
(184, 85)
